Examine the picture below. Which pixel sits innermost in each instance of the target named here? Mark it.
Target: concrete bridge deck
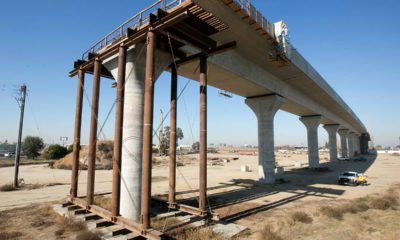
(249, 71)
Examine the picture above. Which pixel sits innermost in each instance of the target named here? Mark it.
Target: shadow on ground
(233, 205)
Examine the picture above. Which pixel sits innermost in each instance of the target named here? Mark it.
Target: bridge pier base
(265, 109)
(357, 144)
(332, 130)
(312, 123)
(132, 132)
(343, 142)
(350, 139)
(364, 139)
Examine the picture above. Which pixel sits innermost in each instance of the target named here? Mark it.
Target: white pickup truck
(352, 178)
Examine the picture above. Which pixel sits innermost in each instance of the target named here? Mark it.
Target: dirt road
(226, 182)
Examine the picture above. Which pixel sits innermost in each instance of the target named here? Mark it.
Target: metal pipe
(172, 138)
(203, 134)
(119, 113)
(77, 134)
(93, 133)
(148, 131)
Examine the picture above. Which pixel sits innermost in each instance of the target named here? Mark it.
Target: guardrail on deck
(250, 10)
(137, 21)
(142, 18)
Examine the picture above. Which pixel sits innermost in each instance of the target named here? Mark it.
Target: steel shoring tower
(168, 28)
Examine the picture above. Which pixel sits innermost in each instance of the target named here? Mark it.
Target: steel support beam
(119, 113)
(121, 221)
(93, 133)
(203, 135)
(217, 50)
(77, 134)
(172, 141)
(148, 130)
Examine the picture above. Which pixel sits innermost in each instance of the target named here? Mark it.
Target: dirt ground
(235, 195)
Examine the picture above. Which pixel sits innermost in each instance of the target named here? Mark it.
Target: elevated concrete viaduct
(227, 44)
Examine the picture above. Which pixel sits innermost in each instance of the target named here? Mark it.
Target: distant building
(7, 147)
(184, 148)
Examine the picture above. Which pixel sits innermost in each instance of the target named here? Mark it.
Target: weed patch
(301, 217)
(87, 235)
(10, 235)
(266, 233)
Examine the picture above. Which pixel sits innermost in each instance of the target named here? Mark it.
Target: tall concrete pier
(265, 109)
(131, 170)
(332, 132)
(343, 142)
(312, 123)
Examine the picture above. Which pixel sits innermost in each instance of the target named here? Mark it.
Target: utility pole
(21, 103)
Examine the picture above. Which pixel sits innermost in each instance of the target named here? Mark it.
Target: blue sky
(352, 43)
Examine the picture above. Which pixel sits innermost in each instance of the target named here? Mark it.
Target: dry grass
(38, 222)
(87, 235)
(389, 200)
(10, 235)
(336, 212)
(359, 205)
(104, 202)
(69, 224)
(301, 217)
(10, 187)
(164, 223)
(371, 217)
(196, 234)
(267, 233)
(7, 187)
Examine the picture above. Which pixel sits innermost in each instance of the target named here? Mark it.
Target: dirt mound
(104, 153)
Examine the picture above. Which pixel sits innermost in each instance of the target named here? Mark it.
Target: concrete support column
(357, 144)
(132, 131)
(312, 123)
(265, 109)
(343, 142)
(350, 137)
(364, 139)
(77, 134)
(332, 131)
(93, 133)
